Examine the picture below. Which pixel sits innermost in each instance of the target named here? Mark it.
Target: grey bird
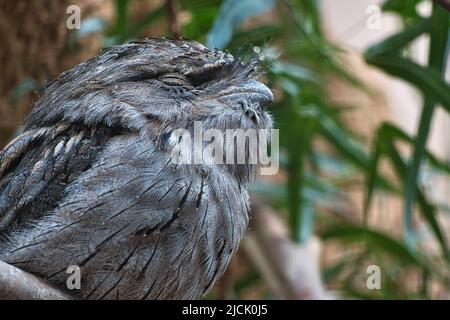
(91, 181)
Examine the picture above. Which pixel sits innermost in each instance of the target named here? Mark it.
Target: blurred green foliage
(298, 59)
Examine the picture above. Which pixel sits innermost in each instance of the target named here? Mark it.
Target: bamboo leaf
(372, 174)
(428, 211)
(121, 19)
(376, 240)
(232, 14)
(341, 140)
(386, 134)
(405, 8)
(438, 37)
(390, 132)
(425, 79)
(398, 41)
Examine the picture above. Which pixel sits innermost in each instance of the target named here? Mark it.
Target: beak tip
(263, 95)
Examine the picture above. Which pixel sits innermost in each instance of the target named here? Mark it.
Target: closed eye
(174, 80)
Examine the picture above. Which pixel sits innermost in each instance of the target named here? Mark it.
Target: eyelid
(173, 79)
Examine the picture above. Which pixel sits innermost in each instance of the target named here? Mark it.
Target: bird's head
(156, 87)
(190, 82)
(167, 83)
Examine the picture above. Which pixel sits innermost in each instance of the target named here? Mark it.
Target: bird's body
(91, 181)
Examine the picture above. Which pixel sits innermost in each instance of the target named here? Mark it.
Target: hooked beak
(257, 93)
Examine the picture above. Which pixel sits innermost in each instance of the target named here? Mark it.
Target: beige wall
(345, 21)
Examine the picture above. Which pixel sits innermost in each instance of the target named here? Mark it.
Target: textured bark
(34, 48)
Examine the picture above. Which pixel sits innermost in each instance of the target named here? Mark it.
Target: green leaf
(121, 19)
(385, 55)
(319, 50)
(204, 12)
(295, 175)
(405, 8)
(398, 41)
(292, 70)
(372, 173)
(232, 14)
(438, 38)
(249, 279)
(437, 56)
(340, 138)
(375, 239)
(390, 132)
(425, 79)
(428, 211)
(288, 86)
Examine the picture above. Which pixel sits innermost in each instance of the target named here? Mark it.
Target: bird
(90, 182)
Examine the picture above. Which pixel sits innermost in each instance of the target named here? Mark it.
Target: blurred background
(361, 206)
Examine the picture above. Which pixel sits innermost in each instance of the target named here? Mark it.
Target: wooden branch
(16, 284)
(291, 270)
(174, 23)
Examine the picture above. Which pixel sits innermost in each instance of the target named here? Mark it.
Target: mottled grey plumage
(91, 183)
